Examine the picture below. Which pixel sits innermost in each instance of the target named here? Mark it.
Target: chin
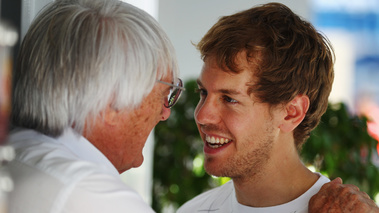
(138, 162)
(214, 170)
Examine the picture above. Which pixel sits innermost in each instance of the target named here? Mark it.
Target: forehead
(214, 77)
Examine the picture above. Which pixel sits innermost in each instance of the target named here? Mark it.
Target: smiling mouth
(216, 142)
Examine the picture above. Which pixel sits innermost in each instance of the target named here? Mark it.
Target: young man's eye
(202, 92)
(229, 99)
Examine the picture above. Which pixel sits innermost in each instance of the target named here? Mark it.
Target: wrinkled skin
(335, 197)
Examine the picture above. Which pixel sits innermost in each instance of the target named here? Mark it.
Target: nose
(165, 113)
(206, 112)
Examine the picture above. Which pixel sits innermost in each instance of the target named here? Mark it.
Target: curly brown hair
(288, 57)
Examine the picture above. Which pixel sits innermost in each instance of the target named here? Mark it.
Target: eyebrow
(223, 91)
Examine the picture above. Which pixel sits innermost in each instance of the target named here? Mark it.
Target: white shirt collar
(84, 149)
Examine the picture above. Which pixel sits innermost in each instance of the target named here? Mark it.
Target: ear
(103, 122)
(110, 116)
(295, 111)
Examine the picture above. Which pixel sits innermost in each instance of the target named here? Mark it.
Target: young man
(264, 86)
(93, 78)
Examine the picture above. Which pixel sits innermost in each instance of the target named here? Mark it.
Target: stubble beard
(244, 166)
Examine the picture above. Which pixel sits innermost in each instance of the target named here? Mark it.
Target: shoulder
(211, 200)
(68, 158)
(94, 191)
(320, 182)
(64, 180)
(104, 193)
(43, 156)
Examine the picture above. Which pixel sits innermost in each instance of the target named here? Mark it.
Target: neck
(284, 179)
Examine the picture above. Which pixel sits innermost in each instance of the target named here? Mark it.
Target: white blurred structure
(344, 49)
(29, 10)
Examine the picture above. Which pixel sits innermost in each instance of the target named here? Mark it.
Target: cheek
(149, 116)
(154, 107)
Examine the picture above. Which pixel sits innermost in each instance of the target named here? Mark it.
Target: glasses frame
(180, 89)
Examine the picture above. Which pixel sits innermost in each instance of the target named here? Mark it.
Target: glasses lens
(174, 95)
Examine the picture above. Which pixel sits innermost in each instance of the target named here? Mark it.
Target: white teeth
(222, 140)
(216, 141)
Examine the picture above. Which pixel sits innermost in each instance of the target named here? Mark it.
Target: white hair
(80, 55)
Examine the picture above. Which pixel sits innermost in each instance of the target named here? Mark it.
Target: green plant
(339, 147)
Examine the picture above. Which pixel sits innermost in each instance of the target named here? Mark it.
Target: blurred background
(344, 144)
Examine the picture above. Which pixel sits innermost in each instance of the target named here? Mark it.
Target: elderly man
(264, 86)
(93, 78)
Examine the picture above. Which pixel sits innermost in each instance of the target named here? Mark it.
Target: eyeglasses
(175, 92)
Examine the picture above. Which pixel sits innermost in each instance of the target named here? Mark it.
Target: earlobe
(295, 110)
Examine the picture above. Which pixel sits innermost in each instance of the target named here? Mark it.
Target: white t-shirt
(66, 175)
(223, 200)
